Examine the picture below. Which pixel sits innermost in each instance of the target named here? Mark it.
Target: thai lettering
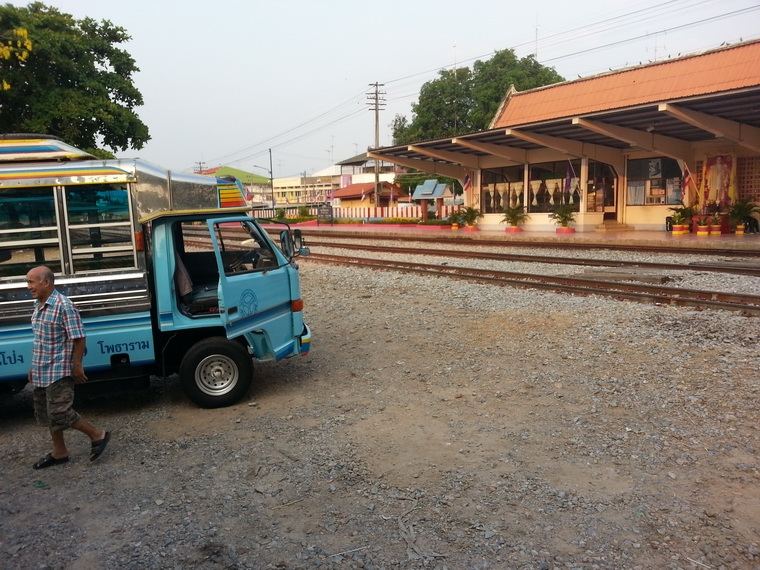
(123, 346)
(12, 357)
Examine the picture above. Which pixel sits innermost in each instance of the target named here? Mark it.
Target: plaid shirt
(55, 324)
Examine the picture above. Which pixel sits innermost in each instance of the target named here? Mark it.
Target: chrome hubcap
(216, 375)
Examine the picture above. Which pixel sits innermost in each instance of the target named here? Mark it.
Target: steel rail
(558, 244)
(748, 305)
(738, 270)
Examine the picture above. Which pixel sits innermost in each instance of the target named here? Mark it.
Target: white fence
(359, 214)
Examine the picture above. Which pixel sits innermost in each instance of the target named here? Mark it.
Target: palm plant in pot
(679, 227)
(563, 215)
(514, 216)
(682, 216)
(470, 217)
(456, 221)
(739, 212)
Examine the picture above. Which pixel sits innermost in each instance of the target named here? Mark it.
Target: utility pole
(376, 101)
(271, 177)
(200, 166)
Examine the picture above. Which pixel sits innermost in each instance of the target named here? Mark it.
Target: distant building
(363, 195)
(621, 148)
(321, 186)
(258, 188)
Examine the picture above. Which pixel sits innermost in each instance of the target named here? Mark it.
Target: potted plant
(703, 225)
(739, 212)
(563, 215)
(679, 227)
(514, 216)
(715, 224)
(681, 218)
(455, 219)
(469, 216)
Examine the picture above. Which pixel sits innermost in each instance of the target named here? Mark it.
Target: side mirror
(286, 244)
(299, 245)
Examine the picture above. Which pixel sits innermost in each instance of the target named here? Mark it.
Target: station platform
(650, 239)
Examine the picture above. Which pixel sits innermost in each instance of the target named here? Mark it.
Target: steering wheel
(243, 258)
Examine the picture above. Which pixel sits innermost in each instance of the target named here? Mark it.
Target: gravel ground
(706, 281)
(618, 255)
(436, 424)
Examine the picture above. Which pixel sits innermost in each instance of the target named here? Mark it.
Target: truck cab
(169, 272)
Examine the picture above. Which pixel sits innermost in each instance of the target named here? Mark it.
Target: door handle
(232, 310)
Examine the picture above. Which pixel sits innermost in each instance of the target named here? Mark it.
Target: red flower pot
(562, 230)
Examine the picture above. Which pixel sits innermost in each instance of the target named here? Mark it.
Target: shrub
(563, 215)
(515, 216)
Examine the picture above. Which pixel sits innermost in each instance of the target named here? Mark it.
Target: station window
(653, 182)
(28, 231)
(100, 229)
(553, 183)
(502, 188)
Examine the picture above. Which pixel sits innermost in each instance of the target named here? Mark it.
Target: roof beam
(511, 153)
(669, 146)
(606, 154)
(739, 133)
(423, 165)
(458, 158)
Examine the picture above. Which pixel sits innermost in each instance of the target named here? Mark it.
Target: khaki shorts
(53, 405)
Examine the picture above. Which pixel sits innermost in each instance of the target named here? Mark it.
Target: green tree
(75, 84)
(463, 100)
(14, 44)
(493, 77)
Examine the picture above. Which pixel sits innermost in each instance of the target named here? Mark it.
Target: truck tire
(216, 372)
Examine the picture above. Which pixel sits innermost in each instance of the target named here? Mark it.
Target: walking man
(59, 343)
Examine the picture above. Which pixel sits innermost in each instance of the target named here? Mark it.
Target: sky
(225, 81)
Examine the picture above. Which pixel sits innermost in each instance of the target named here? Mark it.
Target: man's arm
(77, 370)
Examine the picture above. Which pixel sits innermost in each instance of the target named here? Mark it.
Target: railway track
(753, 270)
(669, 247)
(748, 305)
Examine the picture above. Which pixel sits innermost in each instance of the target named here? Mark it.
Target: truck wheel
(216, 372)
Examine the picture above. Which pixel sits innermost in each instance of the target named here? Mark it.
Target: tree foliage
(14, 44)
(464, 100)
(75, 83)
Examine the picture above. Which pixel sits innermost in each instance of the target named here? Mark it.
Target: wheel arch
(176, 344)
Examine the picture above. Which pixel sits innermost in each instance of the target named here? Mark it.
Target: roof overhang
(669, 128)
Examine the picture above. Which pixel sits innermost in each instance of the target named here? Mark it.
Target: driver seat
(194, 299)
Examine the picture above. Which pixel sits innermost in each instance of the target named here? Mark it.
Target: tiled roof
(724, 69)
(365, 188)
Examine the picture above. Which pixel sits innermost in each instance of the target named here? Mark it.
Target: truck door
(254, 284)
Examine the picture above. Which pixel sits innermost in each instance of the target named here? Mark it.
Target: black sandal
(49, 461)
(98, 447)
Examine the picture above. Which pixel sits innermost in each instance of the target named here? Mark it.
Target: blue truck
(170, 272)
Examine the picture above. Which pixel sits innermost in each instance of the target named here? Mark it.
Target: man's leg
(59, 444)
(88, 429)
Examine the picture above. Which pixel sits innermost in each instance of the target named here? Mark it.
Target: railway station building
(621, 148)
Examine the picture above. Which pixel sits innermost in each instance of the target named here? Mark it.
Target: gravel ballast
(435, 424)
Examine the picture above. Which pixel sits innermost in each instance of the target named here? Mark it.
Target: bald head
(40, 281)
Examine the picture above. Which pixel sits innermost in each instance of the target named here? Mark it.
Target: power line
(291, 129)
(527, 43)
(679, 27)
(353, 97)
(657, 9)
